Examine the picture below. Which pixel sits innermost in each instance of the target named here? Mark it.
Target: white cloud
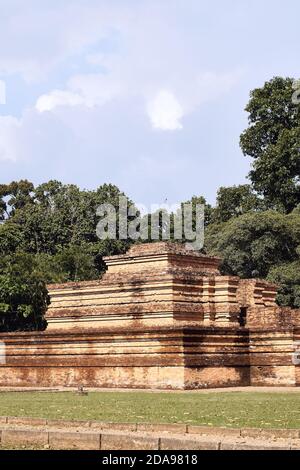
(96, 89)
(57, 98)
(9, 127)
(165, 112)
(87, 90)
(2, 92)
(165, 72)
(119, 69)
(37, 37)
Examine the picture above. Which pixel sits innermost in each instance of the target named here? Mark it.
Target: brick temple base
(162, 318)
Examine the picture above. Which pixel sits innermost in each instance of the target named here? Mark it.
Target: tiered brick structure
(161, 317)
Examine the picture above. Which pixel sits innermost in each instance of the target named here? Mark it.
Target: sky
(148, 95)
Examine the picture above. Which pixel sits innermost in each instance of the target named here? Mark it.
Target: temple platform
(162, 317)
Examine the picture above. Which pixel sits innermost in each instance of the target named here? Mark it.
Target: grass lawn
(229, 409)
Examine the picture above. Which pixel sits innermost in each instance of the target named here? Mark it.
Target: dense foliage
(23, 294)
(48, 234)
(256, 228)
(261, 245)
(273, 141)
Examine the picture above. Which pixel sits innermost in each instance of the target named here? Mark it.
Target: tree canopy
(23, 295)
(48, 234)
(235, 201)
(252, 243)
(272, 140)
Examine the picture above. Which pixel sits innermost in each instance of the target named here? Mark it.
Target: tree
(208, 209)
(72, 263)
(287, 276)
(10, 238)
(235, 201)
(174, 226)
(60, 220)
(23, 295)
(48, 234)
(14, 196)
(252, 244)
(273, 141)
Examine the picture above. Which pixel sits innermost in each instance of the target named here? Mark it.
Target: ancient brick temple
(161, 317)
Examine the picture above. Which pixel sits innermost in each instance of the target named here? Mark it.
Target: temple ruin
(162, 317)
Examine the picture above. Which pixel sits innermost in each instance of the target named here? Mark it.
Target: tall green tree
(252, 244)
(272, 140)
(235, 201)
(56, 224)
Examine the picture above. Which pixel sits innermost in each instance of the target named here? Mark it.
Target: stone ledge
(74, 440)
(271, 433)
(134, 441)
(59, 440)
(113, 426)
(209, 431)
(191, 431)
(24, 437)
(177, 444)
(226, 446)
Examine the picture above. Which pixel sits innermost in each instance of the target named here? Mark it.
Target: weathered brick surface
(74, 440)
(161, 317)
(113, 426)
(24, 437)
(177, 444)
(271, 433)
(212, 431)
(111, 441)
(226, 446)
(145, 437)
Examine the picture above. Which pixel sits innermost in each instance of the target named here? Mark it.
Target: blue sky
(148, 95)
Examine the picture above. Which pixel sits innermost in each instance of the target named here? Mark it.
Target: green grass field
(234, 409)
